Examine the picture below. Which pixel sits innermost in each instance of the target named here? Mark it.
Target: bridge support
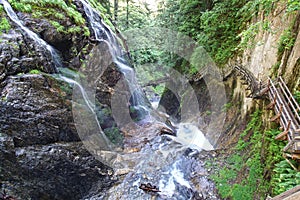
(283, 135)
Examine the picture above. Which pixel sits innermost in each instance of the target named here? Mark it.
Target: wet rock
(19, 54)
(54, 171)
(172, 171)
(170, 103)
(34, 111)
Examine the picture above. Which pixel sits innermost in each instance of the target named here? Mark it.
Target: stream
(173, 166)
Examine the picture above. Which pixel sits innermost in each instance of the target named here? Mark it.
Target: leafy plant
(286, 41)
(34, 71)
(247, 36)
(285, 177)
(54, 12)
(293, 5)
(4, 24)
(297, 96)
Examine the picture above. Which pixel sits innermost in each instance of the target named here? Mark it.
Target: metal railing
(287, 113)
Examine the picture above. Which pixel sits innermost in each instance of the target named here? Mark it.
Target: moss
(1, 9)
(34, 71)
(4, 25)
(102, 11)
(4, 22)
(55, 12)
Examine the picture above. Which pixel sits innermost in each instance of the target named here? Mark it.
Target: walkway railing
(283, 103)
(287, 114)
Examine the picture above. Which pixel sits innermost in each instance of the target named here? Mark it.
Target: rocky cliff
(41, 156)
(274, 48)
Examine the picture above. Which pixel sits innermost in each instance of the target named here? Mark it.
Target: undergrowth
(4, 23)
(55, 12)
(256, 168)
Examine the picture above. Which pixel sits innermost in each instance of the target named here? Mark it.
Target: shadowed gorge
(162, 99)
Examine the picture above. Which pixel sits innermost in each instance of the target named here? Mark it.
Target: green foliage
(223, 179)
(55, 11)
(285, 177)
(159, 89)
(133, 16)
(1, 9)
(275, 147)
(20, 6)
(220, 27)
(293, 5)
(252, 127)
(263, 153)
(238, 162)
(4, 25)
(286, 41)
(34, 71)
(297, 96)
(247, 36)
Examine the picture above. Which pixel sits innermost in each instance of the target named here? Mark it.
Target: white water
(167, 186)
(104, 34)
(190, 136)
(101, 30)
(56, 59)
(13, 16)
(159, 163)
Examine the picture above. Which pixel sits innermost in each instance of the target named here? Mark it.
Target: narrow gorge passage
(163, 99)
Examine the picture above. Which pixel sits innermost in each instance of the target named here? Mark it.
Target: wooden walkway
(287, 114)
(283, 103)
(249, 79)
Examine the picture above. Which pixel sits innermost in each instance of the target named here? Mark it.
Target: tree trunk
(116, 8)
(127, 14)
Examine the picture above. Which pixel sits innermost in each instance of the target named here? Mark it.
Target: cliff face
(41, 156)
(275, 49)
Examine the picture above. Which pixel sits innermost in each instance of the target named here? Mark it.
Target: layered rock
(41, 156)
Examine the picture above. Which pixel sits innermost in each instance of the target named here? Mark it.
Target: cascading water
(103, 33)
(167, 162)
(13, 16)
(170, 163)
(55, 58)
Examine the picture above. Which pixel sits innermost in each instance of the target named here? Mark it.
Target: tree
(116, 9)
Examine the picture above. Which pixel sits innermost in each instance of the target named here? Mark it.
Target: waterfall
(13, 16)
(168, 162)
(105, 143)
(103, 33)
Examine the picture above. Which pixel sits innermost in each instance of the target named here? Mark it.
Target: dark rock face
(41, 156)
(34, 110)
(56, 171)
(171, 102)
(19, 54)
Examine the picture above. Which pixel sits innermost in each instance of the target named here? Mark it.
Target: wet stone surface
(176, 171)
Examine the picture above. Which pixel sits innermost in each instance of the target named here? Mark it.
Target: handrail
(286, 109)
(293, 102)
(287, 113)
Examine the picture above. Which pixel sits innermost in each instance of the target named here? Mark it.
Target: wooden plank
(289, 193)
(276, 117)
(283, 135)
